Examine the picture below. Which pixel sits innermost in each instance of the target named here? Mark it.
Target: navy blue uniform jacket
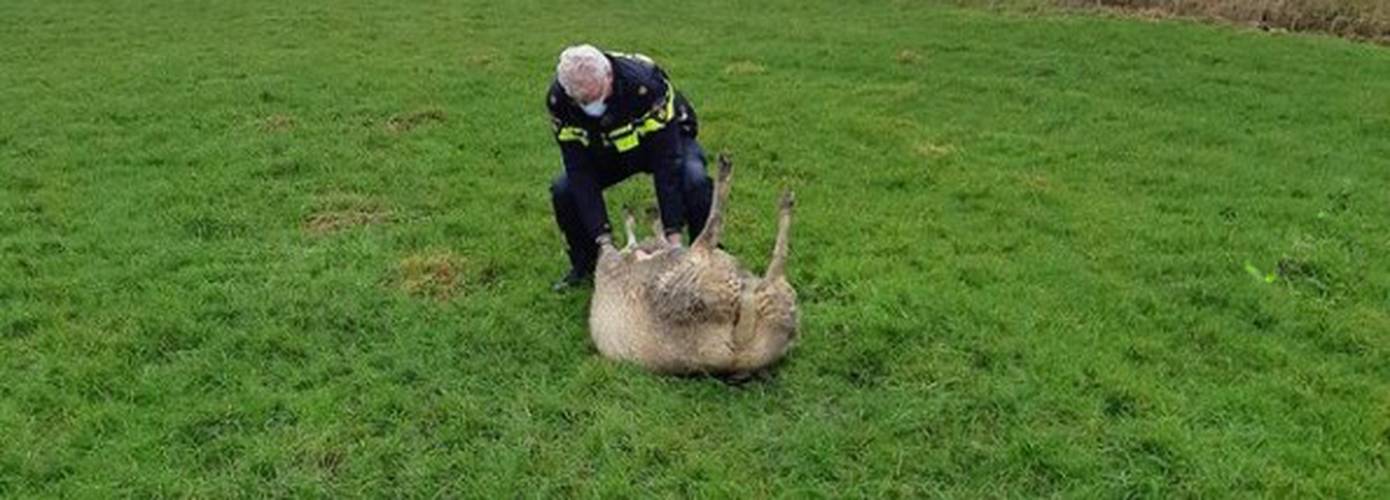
(640, 131)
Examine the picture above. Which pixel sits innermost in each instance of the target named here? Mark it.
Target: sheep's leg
(605, 244)
(657, 228)
(777, 267)
(629, 222)
(714, 227)
(608, 255)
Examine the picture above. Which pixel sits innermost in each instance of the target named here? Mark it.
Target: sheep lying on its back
(692, 310)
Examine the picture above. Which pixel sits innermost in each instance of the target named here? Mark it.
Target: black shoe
(573, 279)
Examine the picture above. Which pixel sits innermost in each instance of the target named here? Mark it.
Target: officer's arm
(567, 134)
(584, 187)
(588, 197)
(573, 142)
(663, 149)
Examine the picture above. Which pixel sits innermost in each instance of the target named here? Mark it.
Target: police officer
(616, 115)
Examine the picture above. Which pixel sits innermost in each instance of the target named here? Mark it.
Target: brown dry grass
(436, 275)
(327, 222)
(278, 123)
(406, 122)
(337, 212)
(743, 68)
(1360, 19)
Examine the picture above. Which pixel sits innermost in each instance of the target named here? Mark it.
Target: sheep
(694, 311)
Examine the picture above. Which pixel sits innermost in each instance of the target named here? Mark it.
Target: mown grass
(1367, 19)
(302, 249)
(1355, 19)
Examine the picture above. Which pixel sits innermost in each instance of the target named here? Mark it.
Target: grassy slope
(1020, 247)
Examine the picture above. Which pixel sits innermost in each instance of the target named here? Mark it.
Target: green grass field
(304, 249)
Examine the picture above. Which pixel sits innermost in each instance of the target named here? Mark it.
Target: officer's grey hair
(581, 65)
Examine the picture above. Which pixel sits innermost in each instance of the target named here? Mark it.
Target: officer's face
(592, 91)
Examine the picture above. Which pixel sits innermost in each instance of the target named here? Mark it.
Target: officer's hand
(676, 239)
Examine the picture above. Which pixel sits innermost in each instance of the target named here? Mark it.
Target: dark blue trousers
(697, 191)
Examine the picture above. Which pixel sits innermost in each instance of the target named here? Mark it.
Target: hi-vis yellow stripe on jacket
(643, 102)
(628, 136)
(574, 134)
